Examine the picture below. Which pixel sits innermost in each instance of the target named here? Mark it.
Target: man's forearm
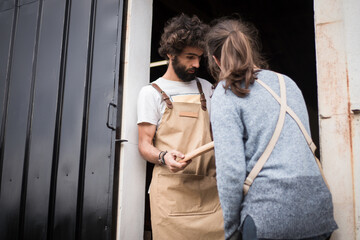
(149, 152)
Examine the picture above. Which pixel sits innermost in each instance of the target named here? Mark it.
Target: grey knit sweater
(288, 199)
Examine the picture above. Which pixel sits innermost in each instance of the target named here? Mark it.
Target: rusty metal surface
(352, 35)
(338, 80)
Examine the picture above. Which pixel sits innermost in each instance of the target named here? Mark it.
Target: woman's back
(288, 198)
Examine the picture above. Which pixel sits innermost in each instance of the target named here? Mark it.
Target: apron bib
(185, 205)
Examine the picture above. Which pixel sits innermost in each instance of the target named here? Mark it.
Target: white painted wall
(338, 73)
(132, 175)
(352, 47)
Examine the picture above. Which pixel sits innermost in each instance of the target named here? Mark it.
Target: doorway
(286, 31)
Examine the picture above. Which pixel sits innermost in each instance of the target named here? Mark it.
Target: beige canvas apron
(185, 205)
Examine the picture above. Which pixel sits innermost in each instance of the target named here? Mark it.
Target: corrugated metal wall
(59, 65)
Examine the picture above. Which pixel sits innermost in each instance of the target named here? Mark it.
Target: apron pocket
(189, 114)
(187, 194)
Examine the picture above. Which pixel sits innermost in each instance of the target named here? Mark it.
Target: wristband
(161, 158)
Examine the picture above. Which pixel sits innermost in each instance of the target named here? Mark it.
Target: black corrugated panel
(58, 66)
(6, 5)
(7, 29)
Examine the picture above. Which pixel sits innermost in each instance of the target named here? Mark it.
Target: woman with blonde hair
(269, 182)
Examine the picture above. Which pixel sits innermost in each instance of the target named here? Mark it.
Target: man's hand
(151, 153)
(171, 161)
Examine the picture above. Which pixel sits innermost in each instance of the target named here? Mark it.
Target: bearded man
(173, 119)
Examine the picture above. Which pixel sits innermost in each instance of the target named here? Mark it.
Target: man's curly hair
(180, 32)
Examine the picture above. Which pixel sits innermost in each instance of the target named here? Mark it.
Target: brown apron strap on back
(301, 126)
(260, 163)
(202, 95)
(163, 95)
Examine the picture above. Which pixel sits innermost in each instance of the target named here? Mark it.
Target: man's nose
(196, 63)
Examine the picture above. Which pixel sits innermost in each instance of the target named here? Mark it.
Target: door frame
(136, 74)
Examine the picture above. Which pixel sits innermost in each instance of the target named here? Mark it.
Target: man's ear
(171, 57)
(217, 61)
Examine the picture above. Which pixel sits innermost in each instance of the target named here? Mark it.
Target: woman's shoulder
(225, 94)
(220, 87)
(267, 75)
(271, 78)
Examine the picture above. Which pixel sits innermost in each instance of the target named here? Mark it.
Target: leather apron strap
(202, 95)
(167, 99)
(163, 95)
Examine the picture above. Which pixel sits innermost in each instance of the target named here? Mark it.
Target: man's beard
(182, 72)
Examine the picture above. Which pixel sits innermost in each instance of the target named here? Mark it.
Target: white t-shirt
(150, 105)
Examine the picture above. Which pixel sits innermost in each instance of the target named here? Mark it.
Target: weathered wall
(338, 60)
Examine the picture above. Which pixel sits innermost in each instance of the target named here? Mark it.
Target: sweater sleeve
(228, 132)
